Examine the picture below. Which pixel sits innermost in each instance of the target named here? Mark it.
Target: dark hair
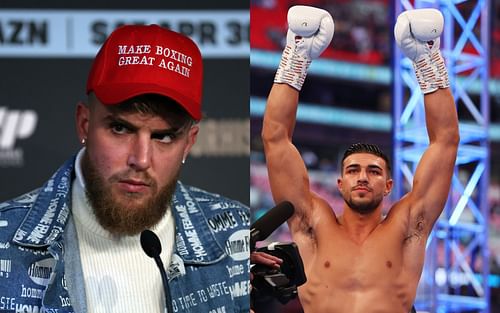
(366, 148)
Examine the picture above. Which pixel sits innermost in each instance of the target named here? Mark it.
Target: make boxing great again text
(169, 59)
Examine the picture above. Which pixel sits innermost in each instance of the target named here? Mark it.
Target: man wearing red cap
(73, 244)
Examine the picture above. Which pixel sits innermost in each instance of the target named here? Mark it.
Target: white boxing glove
(417, 34)
(310, 31)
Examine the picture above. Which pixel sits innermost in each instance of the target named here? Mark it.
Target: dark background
(52, 87)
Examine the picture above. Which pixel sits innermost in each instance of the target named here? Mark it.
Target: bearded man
(73, 245)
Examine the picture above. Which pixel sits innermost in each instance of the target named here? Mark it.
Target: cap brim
(112, 94)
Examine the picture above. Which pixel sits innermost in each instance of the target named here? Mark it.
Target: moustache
(361, 186)
(129, 175)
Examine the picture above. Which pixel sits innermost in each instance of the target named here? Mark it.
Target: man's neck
(359, 226)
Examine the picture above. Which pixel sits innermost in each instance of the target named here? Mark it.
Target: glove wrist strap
(292, 69)
(431, 72)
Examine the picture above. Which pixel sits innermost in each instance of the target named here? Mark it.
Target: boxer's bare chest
(353, 265)
(349, 272)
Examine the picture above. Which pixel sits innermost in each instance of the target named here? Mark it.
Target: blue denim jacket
(40, 268)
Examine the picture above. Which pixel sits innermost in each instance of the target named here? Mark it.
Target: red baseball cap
(138, 59)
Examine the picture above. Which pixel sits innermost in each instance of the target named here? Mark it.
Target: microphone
(152, 247)
(270, 221)
(279, 283)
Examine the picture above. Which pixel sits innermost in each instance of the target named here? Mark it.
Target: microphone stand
(166, 288)
(151, 245)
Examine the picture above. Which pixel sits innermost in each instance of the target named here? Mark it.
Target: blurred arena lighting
(342, 117)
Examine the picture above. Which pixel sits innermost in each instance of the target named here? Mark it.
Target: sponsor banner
(14, 125)
(80, 33)
(223, 137)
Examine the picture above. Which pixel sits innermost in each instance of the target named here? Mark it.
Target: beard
(129, 216)
(363, 207)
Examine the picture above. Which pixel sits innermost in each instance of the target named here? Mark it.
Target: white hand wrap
(431, 72)
(310, 31)
(293, 68)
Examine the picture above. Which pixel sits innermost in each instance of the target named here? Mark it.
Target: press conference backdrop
(46, 53)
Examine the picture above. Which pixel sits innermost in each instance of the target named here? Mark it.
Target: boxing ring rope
(455, 276)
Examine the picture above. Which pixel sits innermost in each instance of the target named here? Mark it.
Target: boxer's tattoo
(417, 230)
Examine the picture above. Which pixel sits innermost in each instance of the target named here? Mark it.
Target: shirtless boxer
(359, 262)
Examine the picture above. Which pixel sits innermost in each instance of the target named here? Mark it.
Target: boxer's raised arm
(286, 169)
(417, 34)
(310, 32)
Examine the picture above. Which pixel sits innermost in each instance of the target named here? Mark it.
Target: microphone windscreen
(270, 221)
(150, 243)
